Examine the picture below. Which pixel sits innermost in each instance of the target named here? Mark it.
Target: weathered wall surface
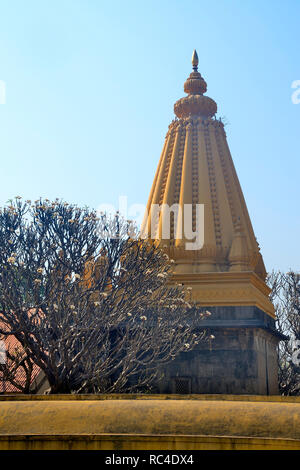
(242, 358)
(149, 422)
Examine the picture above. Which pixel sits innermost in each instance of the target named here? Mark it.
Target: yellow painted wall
(112, 422)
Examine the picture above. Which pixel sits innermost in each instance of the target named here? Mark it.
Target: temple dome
(195, 105)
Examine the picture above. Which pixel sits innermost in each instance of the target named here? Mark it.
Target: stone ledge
(141, 422)
(162, 397)
(144, 442)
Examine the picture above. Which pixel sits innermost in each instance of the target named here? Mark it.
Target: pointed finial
(195, 61)
(195, 104)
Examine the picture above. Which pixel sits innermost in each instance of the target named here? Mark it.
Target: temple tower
(226, 273)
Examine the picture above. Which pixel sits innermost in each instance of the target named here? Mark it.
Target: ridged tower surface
(196, 167)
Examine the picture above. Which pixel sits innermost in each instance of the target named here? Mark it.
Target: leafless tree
(286, 298)
(90, 303)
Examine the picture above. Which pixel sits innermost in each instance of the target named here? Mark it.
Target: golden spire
(195, 104)
(195, 61)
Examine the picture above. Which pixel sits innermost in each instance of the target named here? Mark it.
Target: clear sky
(90, 88)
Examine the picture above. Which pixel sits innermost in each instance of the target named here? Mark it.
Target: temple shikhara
(227, 275)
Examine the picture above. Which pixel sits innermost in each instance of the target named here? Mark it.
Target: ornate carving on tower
(196, 168)
(239, 258)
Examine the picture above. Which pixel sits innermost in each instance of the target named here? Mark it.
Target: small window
(181, 385)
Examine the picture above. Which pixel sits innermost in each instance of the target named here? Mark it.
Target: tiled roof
(11, 343)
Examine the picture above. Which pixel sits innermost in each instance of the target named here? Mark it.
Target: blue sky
(90, 88)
